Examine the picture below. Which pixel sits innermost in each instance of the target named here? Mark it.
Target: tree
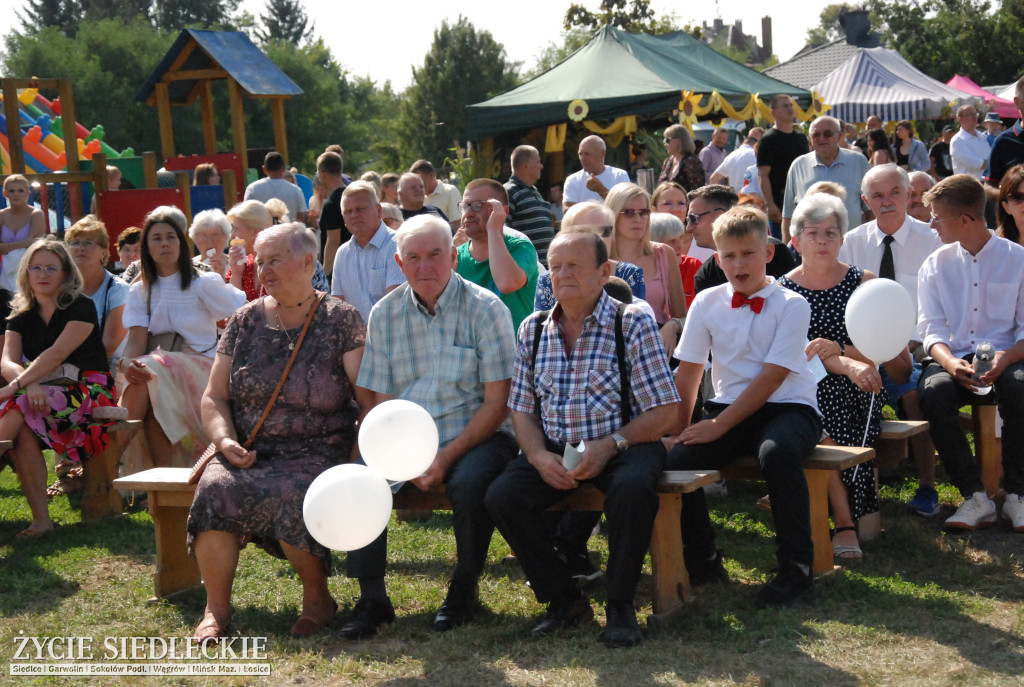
(637, 16)
(174, 15)
(947, 37)
(285, 20)
(463, 66)
(554, 53)
(828, 28)
(38, 14)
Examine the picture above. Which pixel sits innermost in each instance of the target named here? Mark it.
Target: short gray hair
(210, 219)
(390, 210)
(300, 239)
(423, 224)
(878, 171)
(665, 227)
(914, 176)
(405, 177)
(817, 208)
(360, 187)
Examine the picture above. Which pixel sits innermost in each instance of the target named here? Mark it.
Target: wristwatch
(621, 443)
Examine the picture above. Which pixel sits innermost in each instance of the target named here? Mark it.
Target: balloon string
(864, 441)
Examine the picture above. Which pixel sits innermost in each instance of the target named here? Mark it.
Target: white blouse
(193, 313)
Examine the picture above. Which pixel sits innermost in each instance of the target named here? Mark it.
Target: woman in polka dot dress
(845, 395)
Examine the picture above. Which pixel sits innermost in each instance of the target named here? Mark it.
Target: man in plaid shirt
(573, 395)
(448, 345)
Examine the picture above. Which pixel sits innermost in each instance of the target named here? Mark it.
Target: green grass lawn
(923, 608)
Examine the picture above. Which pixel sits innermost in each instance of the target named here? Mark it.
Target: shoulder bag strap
(542, 317)
(287, 368)
(620, 352)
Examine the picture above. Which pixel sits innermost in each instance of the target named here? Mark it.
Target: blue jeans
(466, 484)
(780, 435)
(519, 498)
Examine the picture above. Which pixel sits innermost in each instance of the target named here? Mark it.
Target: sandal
(305, 626)
(846, 552)
(69, 480)
(209, 630)
(30, 533)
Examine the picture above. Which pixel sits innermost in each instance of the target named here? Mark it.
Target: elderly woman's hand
(865, 376)
(236, 454)
(218, 262)
(823, 348)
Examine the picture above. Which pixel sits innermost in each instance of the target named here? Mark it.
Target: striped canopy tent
(878, 81)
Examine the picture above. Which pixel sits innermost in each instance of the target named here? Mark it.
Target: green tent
(620, 73)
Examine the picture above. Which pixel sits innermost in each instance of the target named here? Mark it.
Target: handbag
(211, 450)
(172, 342)
(62, 375)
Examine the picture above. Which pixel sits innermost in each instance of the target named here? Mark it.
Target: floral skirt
(68, 427)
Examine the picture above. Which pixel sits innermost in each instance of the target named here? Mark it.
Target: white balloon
(398, 439)
(347, 507)
(881, 319)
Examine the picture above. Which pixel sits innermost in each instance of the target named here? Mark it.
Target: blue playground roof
(231, 51)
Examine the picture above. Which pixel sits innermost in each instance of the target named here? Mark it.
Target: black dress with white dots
(844, 406)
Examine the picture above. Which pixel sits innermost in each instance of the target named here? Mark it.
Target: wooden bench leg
(176, 571)
(668, 570)
(99, 498)
(817, 486)
(986, 447)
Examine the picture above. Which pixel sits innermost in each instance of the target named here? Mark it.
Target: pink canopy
(1004, 108)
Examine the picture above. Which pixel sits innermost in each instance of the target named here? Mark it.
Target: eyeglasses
(39, 269)
(668, 139)
(940, 220)
(695, 217)
(824, 134)
(475, 206)
(820, 237)
(671, 204)
(83, 243)
(631, 213)
(1015, 198)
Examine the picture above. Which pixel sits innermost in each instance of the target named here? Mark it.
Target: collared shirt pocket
(459, 366)
(603, 391)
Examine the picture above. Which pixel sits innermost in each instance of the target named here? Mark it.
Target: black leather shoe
(562, 613)
(707, 571)
(791, 585)
(368, 617)
(458, 608)
(621, 629)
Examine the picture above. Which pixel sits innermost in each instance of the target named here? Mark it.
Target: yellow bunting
(616, 131)
(554, 142)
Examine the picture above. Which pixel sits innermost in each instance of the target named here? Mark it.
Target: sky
(386, 41)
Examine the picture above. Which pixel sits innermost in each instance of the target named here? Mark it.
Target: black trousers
(780, 435)
(518, 499)
(466, 483)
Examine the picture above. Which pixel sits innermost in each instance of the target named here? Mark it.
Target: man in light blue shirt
(447, 345)
(826, 162)
(364, 267)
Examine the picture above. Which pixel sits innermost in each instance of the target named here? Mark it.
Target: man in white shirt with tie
(972, 291)
(893, 246)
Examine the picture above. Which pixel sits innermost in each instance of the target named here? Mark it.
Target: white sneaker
(1013, 510)
(977, 511)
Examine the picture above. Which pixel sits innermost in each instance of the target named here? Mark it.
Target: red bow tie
(755, 303)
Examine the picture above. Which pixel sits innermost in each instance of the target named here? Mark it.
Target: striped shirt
(363, 274)
(579, 391)
(529, 213)
(441, 361)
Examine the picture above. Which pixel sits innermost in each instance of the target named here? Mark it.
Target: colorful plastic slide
(41, 129)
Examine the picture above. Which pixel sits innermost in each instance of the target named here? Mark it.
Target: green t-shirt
(519, 303)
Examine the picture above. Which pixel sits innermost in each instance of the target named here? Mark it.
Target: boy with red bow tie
(764, 402)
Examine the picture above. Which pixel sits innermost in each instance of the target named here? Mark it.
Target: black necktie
(886, 270)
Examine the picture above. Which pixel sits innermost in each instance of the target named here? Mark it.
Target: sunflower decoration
(689, 108)
(578, 110)
(818, 104)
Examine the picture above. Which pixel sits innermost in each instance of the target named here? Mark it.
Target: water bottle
(983, 356)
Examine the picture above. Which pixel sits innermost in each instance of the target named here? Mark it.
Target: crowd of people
(544, 350)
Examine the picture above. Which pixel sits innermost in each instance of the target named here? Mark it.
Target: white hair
(818, 207)
(300, 239)
(665, 227)
(423, 224)
(875, 173)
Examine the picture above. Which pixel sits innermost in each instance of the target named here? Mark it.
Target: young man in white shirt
(972, 291)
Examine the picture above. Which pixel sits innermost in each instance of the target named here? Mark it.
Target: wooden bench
(891, 447)
(99, 498)
(821, 461)
(170, 498)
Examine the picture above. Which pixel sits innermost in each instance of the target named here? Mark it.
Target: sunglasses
(631, 213)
